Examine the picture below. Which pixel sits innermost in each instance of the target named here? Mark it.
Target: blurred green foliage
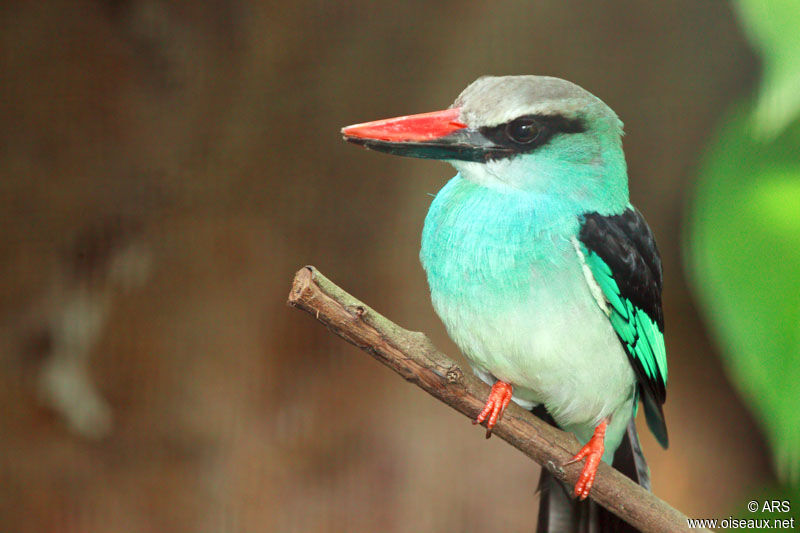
(743, 234)
(744, 238)
(772, 27)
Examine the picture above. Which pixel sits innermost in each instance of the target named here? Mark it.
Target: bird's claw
(593, 452)
(495, 406)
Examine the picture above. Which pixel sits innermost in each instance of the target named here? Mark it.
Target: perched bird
(542, 271)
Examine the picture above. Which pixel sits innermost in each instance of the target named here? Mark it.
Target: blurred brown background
(166, 168)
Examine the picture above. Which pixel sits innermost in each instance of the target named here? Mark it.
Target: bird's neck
(505, 213)
(566, 176)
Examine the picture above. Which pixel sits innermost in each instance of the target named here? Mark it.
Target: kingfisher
(545, 275)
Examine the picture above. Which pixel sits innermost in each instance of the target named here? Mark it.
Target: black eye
(523, 130)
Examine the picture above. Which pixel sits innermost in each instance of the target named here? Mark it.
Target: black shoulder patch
(628, 247)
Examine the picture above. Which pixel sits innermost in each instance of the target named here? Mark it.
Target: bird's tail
(559, 512)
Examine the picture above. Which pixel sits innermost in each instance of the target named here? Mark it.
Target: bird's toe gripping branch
(495, 405)
(593, 452)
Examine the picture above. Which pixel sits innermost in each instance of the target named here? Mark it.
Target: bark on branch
(413, 356)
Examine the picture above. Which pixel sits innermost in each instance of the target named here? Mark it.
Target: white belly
(555, 345)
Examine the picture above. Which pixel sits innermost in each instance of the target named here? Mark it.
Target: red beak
(411, 128)
(435, 135)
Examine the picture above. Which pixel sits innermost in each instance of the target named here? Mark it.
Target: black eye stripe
(562, 124)
(546, 126)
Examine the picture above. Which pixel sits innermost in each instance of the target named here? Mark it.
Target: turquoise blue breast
(483, 245)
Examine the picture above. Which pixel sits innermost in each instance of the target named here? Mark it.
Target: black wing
(622, 255)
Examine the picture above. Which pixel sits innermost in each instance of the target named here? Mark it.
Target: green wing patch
(638, 332)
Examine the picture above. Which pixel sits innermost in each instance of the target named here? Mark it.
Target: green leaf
(773, 27)
(744, 254)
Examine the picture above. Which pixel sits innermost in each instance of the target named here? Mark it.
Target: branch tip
(303, 280)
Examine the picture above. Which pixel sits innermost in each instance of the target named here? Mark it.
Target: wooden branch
(413, 356)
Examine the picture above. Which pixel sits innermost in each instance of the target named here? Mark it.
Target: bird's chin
(490, 174)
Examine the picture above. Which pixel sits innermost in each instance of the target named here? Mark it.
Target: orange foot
(593, 451)
(495, 405)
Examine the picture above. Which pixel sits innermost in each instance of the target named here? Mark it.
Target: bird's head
(533, 134)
